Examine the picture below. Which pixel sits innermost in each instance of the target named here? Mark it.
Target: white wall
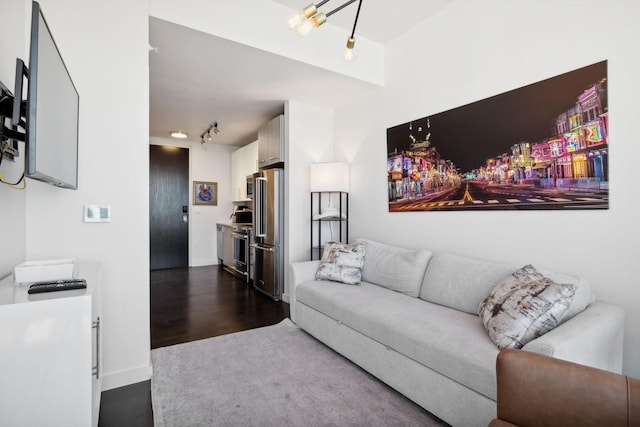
(309, 139)
(12, 202)
(472, 50)
(105, 47)
(208, 162)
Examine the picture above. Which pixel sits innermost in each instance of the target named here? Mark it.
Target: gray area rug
(272, 376)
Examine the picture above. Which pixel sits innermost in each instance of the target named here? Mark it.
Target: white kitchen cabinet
(244, 162)
(271, 142)
(50, 354)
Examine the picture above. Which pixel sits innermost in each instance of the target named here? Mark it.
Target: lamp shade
(329, 177)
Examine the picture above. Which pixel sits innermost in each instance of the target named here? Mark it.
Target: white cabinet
(244, 162)
(271, 142)
(50, 354)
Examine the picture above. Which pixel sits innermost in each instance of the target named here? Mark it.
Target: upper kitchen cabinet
(244, 162)
(271, 142)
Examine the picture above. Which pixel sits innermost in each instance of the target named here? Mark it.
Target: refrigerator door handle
(262, 248)
(259, 200)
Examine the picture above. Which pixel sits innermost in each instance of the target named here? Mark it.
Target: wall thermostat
(97, 213)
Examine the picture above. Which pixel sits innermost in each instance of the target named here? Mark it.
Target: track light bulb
(207, 137)
(296, 18)
(305, 27)
(348, 52)
(309, 24)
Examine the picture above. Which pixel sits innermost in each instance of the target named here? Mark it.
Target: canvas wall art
(539, 147)
(205, 193)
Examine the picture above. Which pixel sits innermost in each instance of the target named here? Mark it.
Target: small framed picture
(205, 193)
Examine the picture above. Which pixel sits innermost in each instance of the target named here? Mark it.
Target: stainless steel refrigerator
(268, 232)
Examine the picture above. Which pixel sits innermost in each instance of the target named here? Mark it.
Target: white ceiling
(197, 79)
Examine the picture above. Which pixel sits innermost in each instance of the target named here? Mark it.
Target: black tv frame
(33, 137)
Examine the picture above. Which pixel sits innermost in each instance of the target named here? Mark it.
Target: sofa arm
(301, 272)
(592, 337)
(539, 390)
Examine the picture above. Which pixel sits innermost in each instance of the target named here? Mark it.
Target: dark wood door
(168, 206)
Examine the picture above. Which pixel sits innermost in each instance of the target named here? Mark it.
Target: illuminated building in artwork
(595, 126)
(419, 171)
(579, 145)
(521, 161)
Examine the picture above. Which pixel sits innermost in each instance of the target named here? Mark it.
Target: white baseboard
(123, 378)
(203, 263)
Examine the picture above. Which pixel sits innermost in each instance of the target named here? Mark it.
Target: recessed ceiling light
(178, 134)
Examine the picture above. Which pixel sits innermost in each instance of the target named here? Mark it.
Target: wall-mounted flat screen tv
(52, 111)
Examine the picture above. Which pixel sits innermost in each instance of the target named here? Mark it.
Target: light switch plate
(97, 213)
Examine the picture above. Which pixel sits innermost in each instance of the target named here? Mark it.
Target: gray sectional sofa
(413, 323)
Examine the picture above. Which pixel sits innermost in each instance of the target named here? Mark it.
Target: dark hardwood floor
(189, 304)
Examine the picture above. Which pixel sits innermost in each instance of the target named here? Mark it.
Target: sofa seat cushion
(450, 342)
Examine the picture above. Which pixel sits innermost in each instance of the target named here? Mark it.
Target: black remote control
(57, 285)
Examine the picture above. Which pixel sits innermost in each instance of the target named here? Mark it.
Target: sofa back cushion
(460, 282)
(463, 283)
(399, 269)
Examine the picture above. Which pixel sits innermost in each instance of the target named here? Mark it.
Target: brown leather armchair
(537, 390)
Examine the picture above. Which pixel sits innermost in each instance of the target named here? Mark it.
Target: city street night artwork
(539, 147)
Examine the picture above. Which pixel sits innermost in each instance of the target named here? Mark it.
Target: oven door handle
(239, 235)
(244, 273)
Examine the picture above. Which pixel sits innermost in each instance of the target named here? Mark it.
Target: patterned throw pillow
(524, 306)
(342, 262)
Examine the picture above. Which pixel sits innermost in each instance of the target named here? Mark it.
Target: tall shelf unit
(329, 219)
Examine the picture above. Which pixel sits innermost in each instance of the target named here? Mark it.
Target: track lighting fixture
(309, 18)
(206, 135)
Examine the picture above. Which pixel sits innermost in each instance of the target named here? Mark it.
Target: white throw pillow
(398, 269)
(342, 262)
(581, 299)
(523, 307)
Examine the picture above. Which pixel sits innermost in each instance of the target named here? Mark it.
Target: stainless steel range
(241, 243)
